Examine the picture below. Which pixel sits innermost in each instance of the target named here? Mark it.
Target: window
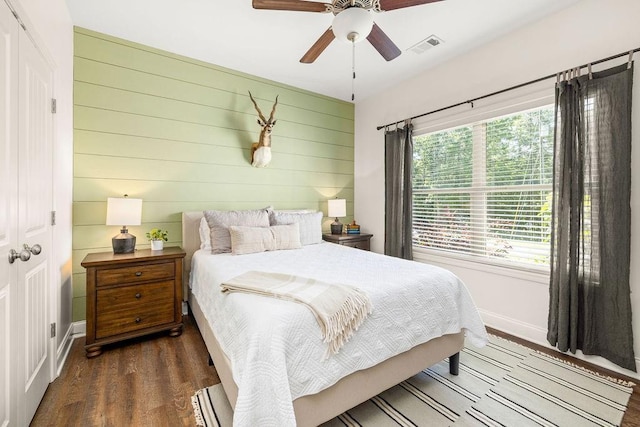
(484, 189)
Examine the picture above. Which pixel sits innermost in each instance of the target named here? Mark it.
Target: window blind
(484, 189)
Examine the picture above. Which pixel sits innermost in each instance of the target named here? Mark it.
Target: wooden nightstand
(129, 295)
(360, 241)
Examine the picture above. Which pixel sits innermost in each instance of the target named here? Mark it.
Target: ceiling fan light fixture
(352, 25)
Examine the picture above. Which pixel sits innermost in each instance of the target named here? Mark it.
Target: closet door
(25, 230)
(9, 353)
(34, 224)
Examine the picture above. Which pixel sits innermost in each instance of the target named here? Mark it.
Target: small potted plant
(157, 237)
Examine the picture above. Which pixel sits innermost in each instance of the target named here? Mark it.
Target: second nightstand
(360, 241)
(129, 295)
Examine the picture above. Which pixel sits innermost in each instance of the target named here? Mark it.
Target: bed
(313, 390)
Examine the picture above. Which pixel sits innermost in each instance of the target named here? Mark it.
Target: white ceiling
(269, 43)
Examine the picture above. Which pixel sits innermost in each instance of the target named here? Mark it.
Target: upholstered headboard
(190, 244)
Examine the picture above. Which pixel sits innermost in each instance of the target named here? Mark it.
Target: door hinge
(53, 106)
(53, 330)
(53, 217)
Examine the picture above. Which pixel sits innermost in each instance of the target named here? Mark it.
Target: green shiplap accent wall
(177, 133)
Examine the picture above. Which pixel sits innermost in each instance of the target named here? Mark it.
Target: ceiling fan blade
(318, 47)
(383, 43)
(295, 5)
(399, 4)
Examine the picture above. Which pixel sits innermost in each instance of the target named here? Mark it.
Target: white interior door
(34, 224)
(25, 231)
(8, 213)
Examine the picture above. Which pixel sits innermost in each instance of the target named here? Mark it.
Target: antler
(258, 108)
(273, 110)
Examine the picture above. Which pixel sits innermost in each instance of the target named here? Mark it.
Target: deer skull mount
(261, 150)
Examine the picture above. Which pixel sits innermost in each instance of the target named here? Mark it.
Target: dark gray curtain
(590, 307)
(398, 196)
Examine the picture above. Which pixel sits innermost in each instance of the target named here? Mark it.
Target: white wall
(587, 31)
(49, 23)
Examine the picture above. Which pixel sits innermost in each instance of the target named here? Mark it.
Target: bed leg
(210, 361)
(454, 364)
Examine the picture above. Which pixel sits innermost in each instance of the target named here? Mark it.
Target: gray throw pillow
(219, 222)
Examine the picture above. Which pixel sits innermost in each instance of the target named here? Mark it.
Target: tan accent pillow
(248, 240)
(219, 222)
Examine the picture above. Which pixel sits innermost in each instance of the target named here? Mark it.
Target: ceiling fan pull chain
(353, 69)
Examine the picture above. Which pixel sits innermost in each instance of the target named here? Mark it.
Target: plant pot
(157, 245)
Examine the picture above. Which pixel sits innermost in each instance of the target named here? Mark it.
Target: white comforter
(275, 346)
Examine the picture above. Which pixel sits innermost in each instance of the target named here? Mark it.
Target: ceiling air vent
(426, 44)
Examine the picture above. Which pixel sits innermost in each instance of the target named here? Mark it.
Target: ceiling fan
(352, 22)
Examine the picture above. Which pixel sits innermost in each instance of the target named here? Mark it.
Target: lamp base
(123, 243)
(336, 227)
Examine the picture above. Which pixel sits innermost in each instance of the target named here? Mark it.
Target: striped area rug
(503, 384)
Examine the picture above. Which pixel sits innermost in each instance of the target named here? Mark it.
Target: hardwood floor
(150, 381)
(143, 382)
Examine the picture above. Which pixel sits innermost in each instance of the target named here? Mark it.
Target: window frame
(521, 100)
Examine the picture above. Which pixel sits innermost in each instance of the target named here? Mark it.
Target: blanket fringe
(345, 322)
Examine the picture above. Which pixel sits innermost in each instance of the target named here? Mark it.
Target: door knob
(23, 255)
(35, 249)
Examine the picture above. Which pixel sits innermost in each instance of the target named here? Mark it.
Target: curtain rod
(471, 101)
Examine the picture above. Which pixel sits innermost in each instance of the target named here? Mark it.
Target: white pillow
(219, 222)
(248, 240)
(291, 211)
(205, 235)
(310, 224)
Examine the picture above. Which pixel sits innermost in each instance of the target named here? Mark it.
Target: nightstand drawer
(130, 308)
(358, 241)
(137, 273)
(361, 244)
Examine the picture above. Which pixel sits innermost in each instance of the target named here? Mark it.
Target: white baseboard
(79, 328)
(515, 327)
(63, 350)
(76, 330)
(538, 335)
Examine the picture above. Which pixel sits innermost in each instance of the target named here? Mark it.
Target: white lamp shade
(124, 211)
(337, 208)
(353, 20)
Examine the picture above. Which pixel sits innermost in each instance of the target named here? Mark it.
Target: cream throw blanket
(339, 309)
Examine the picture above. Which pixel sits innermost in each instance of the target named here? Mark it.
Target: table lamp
(123, 211)
(337, 208)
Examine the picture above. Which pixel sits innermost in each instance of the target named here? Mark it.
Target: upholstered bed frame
(312, 410)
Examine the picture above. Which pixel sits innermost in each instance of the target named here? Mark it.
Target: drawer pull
(138, 295)
(138, 273)
(138, 320)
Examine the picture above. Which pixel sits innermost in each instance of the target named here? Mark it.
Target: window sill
(531, 273)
